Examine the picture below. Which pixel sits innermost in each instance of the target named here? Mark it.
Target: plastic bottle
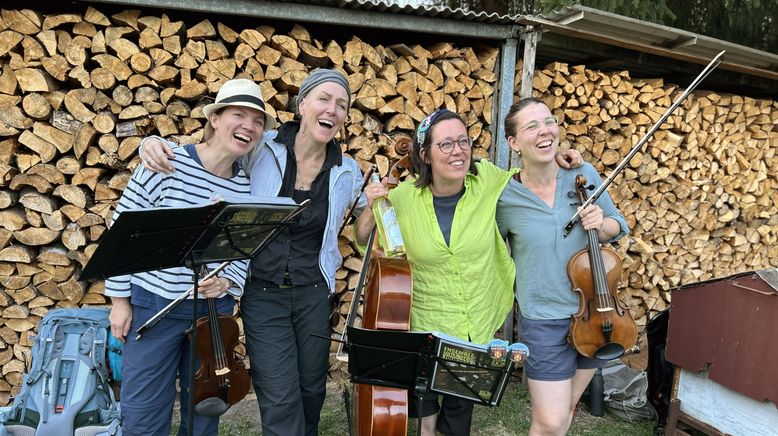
(388, 228)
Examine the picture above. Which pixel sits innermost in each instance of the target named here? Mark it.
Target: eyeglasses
(447, 146)
(534, 126)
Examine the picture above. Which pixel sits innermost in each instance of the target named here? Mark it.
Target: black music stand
(424, 362)
(157, 238)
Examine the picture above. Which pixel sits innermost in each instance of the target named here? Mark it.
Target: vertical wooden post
(530, 37)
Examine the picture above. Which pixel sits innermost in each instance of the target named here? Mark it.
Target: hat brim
(270, 122)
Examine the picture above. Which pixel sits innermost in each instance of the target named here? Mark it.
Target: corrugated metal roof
(373, 14)
(578, 22)
(420, 10)
(587, 23)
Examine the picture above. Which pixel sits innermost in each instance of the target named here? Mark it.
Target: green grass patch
(511, 418)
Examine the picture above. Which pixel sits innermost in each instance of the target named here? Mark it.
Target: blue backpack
(68, 388)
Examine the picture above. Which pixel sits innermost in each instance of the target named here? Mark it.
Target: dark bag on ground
(660, 371)
(68, 388)
(626, 392)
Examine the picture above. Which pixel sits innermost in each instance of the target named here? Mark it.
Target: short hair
(208, 129)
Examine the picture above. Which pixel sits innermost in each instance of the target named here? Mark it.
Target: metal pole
(507, 76)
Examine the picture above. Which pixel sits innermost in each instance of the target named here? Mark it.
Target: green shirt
(464, 289)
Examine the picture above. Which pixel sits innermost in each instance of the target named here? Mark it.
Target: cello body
(378, 410)
(603, 326)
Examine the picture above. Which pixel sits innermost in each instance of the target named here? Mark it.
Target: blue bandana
(424, 126)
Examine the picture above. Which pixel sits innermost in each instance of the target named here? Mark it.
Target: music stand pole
(158, 238)
(192, 345)
(420, 390)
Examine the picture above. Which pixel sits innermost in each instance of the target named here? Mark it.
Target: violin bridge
(222, 371)
(604, 309)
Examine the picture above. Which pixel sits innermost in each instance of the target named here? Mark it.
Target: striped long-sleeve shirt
(189, 185)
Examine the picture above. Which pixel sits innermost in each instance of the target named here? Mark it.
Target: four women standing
(461, 267)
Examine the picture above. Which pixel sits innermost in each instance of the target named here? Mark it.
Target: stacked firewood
(78, 91)
(701, 198)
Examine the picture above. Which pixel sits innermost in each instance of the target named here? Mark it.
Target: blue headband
(426, 123)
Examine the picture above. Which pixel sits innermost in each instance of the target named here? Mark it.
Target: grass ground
(511, 418)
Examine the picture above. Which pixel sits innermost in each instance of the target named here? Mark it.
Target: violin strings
(601, 285)
(216, 338)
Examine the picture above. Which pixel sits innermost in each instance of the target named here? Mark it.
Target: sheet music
(465, 364)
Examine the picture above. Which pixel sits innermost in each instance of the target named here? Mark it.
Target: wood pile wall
(79, 90)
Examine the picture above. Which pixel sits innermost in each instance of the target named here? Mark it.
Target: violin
(221, 380)
(388, 287)
(603, 326)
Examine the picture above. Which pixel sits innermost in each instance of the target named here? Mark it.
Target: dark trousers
(455, 415)
(149, 370)
(288, 364)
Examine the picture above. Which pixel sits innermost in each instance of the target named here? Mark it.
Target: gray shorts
(551, 357)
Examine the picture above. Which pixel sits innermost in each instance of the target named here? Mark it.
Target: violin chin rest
(609, 351)
(212, 407)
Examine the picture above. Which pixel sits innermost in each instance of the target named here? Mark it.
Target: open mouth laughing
(327, 124)
(241, 138)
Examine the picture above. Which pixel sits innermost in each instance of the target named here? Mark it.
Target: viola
(603, 326)
(221, 380)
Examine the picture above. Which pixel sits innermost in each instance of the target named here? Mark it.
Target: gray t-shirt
(445, 206)
(538, 247)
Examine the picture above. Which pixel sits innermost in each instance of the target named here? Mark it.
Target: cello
(388, 286)
(603, 326)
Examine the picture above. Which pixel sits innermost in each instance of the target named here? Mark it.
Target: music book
(226, 228)
(466, 370)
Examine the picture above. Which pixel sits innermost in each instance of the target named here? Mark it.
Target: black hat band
(243, 98)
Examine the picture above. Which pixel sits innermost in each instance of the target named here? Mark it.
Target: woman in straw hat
(236, 121)
(285, 305)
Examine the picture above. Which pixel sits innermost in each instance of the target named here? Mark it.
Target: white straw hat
(240, 92)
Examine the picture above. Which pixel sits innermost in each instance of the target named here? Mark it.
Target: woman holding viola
(532, 212)
(235, 122)
(462, 272)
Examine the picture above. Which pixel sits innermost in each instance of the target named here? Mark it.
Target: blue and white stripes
(189, 185)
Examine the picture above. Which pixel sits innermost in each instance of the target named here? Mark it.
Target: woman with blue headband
(285, 305)
(462, 272)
